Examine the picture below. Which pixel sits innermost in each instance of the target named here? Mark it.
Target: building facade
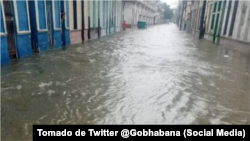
(29, 26)
(224, 20)
(98, 18)
(75, 16)
(140, 10)
(196, 10)
(236, 21)
(214, 16)
(185, 12)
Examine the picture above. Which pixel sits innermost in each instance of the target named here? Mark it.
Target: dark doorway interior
(9, 16)
(75, 14)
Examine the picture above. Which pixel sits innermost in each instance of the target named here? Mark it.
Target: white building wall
(86, 14)
(128, 12)
(241, 30)
(139, 11)
(241, 20)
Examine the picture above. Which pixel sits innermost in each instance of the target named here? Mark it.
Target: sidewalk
(241, 46)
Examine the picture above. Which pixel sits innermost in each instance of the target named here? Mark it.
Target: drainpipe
(202, 18)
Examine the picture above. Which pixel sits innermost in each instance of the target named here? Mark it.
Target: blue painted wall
(66, 37)
(23, 40)
(23, 15)
(41, 14)
(23, 45)
(5, 58)
(4, 45)
(57, 14)
(43, 41)
(2, 29)
(57, 39)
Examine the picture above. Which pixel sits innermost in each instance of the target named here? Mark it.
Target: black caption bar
(79, 132)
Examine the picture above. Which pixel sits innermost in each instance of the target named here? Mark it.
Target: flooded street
(155, 76)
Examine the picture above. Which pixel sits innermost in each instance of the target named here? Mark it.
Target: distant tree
(157, 1)
(168, 13)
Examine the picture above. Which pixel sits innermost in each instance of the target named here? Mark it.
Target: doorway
(10, 26)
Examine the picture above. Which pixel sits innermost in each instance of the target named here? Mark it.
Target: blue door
(3, 33)
(65, 22)
(39, 26)
(23, 30)
(56, 24)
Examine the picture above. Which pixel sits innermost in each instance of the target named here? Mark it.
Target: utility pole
(202, 18)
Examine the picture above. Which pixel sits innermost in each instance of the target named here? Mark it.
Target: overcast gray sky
(172, 3)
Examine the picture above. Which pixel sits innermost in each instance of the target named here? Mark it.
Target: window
(227, 18)
(2, 19)
(75, 14)
(66, 7)
(23, 24)
(219, 8)
(212, 24)
(56, 15)
(233, 18)
(208, 21)
(215, 6)
(41, 19)
(217, 21)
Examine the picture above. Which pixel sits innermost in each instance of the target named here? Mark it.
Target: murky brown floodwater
(155, 76)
